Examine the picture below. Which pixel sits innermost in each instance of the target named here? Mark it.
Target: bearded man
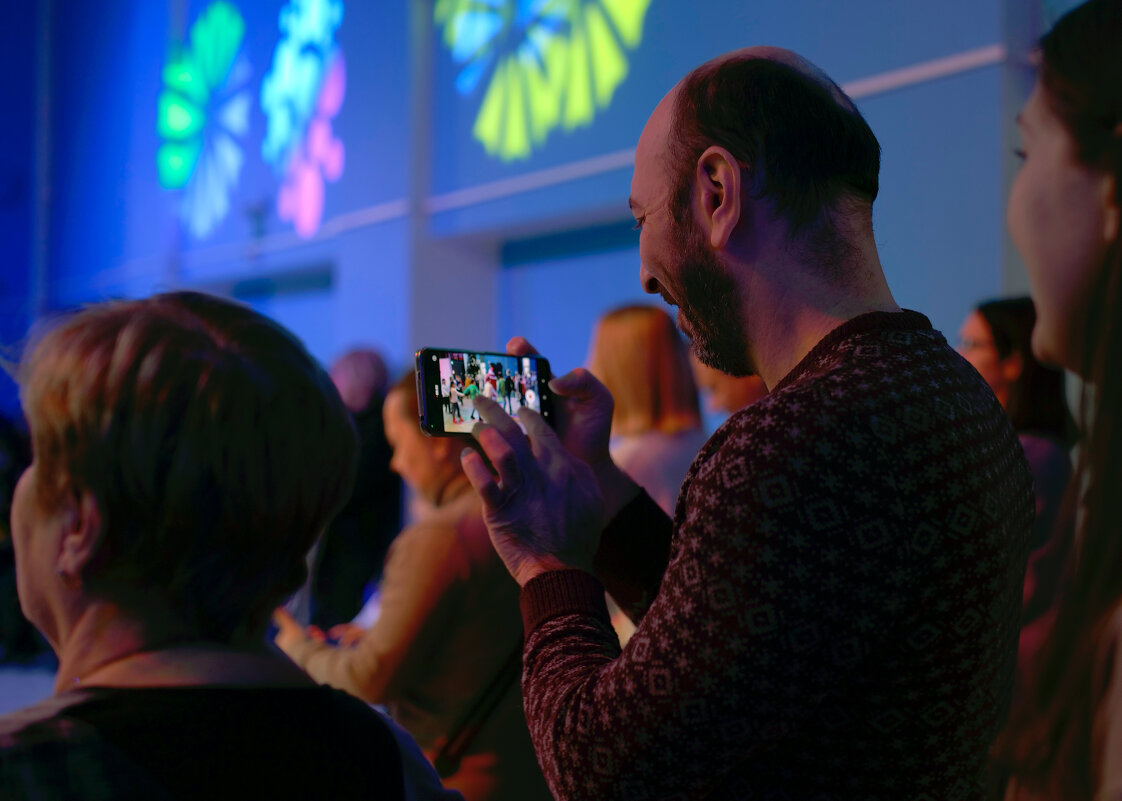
(833, 612)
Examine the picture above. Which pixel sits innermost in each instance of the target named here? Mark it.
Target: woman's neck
(107, 648)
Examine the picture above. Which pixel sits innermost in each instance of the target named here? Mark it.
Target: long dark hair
(1047, 745)
(1036, 399)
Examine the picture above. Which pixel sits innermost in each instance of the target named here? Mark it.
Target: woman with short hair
(186, 454)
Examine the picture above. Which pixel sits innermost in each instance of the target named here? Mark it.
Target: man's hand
(584, 409)
(584, 423)
(545, 511)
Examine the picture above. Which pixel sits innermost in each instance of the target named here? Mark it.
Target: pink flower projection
(317, 158)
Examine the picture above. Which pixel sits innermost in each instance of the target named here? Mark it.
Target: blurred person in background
(1064, 740)
(186, 454)
(726, 393)
(349, 557)
(638, 354)
(445, 646)
(996, 338)
(20, 642)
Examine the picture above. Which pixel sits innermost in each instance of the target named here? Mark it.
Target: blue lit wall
(116, 232)
(425, 237)
(939, 217)
(17, 187)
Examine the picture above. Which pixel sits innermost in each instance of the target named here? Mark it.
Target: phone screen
(449, 381)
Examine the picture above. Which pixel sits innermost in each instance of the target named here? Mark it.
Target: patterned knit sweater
(833, 613)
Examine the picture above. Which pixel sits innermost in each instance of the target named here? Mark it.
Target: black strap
(448, 758)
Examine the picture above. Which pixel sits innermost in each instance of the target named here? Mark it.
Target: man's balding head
(802, 142)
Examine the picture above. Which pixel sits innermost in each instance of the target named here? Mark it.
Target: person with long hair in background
(656, 422)
(1064, 741)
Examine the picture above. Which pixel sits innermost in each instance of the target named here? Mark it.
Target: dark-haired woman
(1065, 740)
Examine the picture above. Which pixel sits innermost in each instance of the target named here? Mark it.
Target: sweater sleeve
(756, 617)
(422, 571)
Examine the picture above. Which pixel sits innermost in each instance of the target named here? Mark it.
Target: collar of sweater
(903, 320)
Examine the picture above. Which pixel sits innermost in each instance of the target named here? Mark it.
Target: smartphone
(448, 381)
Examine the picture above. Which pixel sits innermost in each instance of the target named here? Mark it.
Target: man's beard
(709, 303)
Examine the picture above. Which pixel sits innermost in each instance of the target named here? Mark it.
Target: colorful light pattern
(300, 95)
(202, 113)
(550, 63)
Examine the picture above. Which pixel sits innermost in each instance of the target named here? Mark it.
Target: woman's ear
(1012, 366)
(1111, 217)
(81, 535)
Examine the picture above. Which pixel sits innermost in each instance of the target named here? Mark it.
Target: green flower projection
(203, 112)
(545, 63)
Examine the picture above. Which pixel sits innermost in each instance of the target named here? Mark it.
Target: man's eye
(1020, 154)
(638, 226)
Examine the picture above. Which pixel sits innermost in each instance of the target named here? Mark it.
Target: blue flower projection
(203, 113)
(300, 95)
(547, 63)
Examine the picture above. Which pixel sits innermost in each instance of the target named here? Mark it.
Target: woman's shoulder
(45, 752)
(38, 721)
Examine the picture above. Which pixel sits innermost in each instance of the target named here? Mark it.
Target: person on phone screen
(834, 610)
(447, 627)
(471, 392)
(455, 396)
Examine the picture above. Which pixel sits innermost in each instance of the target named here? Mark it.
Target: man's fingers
(481, 478)
(503, 458)
(518, 346)
(496, 417)
(540, 432)
(579, 384)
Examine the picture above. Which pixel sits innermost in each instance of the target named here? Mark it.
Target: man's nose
(648, 281)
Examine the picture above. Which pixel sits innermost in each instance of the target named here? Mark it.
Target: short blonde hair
(216, 448)
(638, 354)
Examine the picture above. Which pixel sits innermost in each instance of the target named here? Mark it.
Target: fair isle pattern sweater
(832, 615)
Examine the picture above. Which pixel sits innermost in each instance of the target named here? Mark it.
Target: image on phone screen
(454, 380)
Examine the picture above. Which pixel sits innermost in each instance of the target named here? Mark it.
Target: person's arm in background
(421, 569)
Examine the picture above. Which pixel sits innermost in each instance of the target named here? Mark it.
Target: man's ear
(81, 536)
(718, 182)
